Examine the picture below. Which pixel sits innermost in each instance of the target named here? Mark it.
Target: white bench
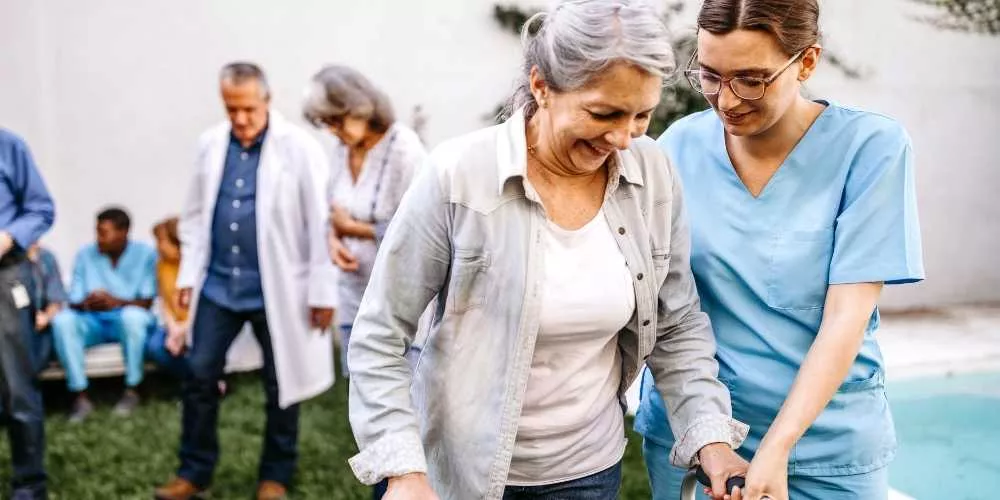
(107, 360)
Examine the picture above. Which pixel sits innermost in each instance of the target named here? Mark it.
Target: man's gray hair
(241, 72)
(338, 91)
(575, 41)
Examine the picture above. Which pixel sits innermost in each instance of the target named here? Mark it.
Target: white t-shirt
(572, 424)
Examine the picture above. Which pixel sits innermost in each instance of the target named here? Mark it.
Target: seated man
(111, 291)
(49, 298)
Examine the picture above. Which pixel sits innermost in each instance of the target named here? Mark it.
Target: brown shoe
(271, 490)
(178, 489)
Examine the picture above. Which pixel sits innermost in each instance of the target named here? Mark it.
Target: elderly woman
(556, 247)
(373, 165)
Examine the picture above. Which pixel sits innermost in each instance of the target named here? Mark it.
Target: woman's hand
(341, 256)
(413, 486)
(767, 477)
(176, 340)
(720, 463)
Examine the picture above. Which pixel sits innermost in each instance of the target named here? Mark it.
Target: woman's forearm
(358, 229)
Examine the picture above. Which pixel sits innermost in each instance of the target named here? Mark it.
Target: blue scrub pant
(665, 480)
(75, 331)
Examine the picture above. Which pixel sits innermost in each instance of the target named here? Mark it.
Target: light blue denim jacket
(469, 233)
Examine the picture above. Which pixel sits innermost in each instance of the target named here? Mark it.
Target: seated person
(49, 296)
(167, 343)
(110, 295)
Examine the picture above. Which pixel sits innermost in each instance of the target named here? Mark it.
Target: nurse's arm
(846, 313)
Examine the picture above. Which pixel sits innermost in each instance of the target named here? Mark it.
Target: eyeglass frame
(729, 81)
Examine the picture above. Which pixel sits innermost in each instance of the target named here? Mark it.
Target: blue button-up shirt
(233, 279)
(26, 209)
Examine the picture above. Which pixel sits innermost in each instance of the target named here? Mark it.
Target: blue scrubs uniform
(840, 209)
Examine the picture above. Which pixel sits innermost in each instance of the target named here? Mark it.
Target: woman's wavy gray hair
(576, 40)
(338, 91)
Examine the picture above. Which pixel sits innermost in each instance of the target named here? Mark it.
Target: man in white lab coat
(253, 236)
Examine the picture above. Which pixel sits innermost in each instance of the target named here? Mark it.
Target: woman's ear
(810, 60)
(539, 89)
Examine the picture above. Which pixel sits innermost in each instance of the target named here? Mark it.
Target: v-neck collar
(377, 153)
(727, 162)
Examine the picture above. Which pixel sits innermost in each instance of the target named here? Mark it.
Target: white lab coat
(295, 268)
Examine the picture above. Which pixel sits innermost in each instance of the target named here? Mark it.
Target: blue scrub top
(840, 209)
(133, 278)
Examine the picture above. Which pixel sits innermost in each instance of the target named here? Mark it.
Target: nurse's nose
(728, 100)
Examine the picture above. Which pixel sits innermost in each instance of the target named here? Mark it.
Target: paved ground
(943, 369)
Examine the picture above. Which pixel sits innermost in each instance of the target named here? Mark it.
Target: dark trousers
(603, 485)
(20, 396)
(214, 330)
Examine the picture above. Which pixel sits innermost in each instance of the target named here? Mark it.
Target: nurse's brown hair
(794, 23)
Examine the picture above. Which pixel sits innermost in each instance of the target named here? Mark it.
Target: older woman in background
(372, 166)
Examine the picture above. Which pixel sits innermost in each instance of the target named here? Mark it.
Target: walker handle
(731, 483)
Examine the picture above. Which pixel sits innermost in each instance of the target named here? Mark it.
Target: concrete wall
(112, 95)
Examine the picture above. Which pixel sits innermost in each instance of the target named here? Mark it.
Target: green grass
(108, 457)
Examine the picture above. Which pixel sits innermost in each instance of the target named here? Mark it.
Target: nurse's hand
(767, 477)
(720, 463)
(414, 486)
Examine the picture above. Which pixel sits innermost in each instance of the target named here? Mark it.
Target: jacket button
(639, 277)
(645, 323)
(621, 230)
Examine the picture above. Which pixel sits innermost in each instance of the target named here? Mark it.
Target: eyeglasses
(748, 88)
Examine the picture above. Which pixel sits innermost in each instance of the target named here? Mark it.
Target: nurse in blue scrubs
(800, 212)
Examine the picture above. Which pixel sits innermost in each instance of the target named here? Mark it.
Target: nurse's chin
(742, 128)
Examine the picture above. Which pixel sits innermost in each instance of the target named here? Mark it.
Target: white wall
(112, 95)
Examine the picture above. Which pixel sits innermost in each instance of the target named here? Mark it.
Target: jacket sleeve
(314, 188)
(190, 224)
(410, 270)
(683, 359)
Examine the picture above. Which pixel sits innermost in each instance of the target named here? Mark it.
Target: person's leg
(345, 340)
(19, 391)
(664, 478)
(213, 331)
(131, 326)
(156, 351)
(73, 332)
(603, 485)
(871, 486)
(42, 348)
(281, 436)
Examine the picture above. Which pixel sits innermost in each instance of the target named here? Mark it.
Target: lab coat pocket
(468, 283)
(799, 269)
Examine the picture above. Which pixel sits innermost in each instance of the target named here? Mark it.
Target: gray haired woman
(372, 167)
(556, 248)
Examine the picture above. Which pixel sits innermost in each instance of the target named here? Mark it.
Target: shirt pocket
(661, 264)
(468, 283)
(799, 269)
